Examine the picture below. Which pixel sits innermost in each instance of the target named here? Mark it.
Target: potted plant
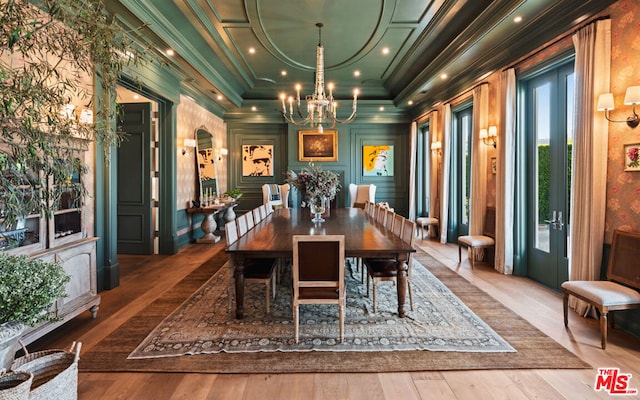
(234, 193)
(28, 289)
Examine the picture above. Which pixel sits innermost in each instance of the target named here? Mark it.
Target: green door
(135, 227)
(549, 133)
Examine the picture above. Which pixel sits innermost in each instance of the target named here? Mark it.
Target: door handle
(553, 220)
(559, 223)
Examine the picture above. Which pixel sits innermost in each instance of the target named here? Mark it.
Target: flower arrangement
(315, 184)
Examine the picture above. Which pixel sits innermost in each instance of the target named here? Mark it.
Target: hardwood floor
(144, 278)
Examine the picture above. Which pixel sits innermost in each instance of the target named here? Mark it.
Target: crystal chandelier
(321, 109)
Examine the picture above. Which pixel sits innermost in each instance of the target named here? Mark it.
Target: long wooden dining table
(272, 238)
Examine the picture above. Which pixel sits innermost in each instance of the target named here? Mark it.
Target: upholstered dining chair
(359, 194)
(275, 196)
(256, 270)
(485, 240)
(318, 280)
(250, 221)
(398, 224)
(243, 225)
(384, 269)
(257, 216)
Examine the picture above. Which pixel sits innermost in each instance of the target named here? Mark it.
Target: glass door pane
(542, 127)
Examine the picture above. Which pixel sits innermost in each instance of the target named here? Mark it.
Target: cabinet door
(79, 262)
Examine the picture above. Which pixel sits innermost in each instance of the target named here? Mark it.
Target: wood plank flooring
(145, 278)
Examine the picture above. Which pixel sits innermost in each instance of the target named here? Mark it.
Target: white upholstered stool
(427, 223)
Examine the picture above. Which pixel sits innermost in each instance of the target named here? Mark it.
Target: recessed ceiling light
(254, 108)
(220, 97)
(170, 52)
(135, 96)
(410, 102)
(385, 50)
(444, 76)
(356, 73)
(283, 73)
(252, 50)
(517, 19)
(381, 108)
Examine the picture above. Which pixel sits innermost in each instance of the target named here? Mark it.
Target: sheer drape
(588, 194)
(412, 171)
(478, 197)
(505, 172)
(434, 199)
(446, 168)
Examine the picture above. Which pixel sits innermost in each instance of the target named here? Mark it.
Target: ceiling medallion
(321, 109)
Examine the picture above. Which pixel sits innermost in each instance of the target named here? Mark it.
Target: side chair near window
(384, 269)
(276, 196)
(318, 280)
(258, 270)
(619, 292)
(359, 194)
(479, 241)
(428, 223)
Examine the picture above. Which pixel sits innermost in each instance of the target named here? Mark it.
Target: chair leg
(268, 295)
(341, 322)
(603, 329)
(295, 322)
(375, 285)
(410, 294)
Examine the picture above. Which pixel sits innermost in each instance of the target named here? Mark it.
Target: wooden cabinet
(79, 262)
(65, 237)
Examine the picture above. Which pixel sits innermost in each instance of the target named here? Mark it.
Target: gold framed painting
(314, 146)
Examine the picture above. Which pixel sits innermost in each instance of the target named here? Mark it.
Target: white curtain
(446, 167)
(505, 172)
(412, 170)
(478, 197)
(588, 194)
(436, 168)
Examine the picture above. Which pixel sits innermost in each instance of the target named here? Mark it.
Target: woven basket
(55, 373)
(15, 385)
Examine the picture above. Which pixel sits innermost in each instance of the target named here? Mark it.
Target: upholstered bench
(479, 241)
(619, 292)
(427, 223)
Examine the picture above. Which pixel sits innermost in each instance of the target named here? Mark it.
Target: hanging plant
(48, 57)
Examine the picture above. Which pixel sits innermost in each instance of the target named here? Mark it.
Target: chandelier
(321, 109)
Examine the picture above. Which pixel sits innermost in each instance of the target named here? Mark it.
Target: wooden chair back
(309, 270)
(398, 225)
(623, 264)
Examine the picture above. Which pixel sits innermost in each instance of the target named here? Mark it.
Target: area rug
(205, 324)
(533, 348)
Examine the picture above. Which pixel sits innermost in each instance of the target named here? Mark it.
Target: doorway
(549, 134)
(460, 182)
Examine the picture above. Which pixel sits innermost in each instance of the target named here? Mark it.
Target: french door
(461, 172)
(549, 132)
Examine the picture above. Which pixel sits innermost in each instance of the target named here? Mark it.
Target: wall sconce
(222, 151)
(631, 97)
(489, 137)
(188, 145)
(436, 146)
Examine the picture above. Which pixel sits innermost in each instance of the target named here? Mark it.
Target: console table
(209, 224)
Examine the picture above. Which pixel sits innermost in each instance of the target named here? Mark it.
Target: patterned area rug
(204, 324)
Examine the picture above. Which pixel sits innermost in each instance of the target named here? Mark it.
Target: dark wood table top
(272, 237)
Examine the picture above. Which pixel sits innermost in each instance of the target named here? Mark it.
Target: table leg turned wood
(239, 277)
(403, 268)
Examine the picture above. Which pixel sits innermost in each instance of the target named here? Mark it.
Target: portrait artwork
(257, 160)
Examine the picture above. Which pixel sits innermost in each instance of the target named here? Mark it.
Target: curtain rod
(555, 41)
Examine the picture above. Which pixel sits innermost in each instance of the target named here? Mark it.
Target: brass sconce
(188, 145)
(489, 137)
(632, 97)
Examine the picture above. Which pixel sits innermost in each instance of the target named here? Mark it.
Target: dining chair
(275, 196)
(487, 239)
(380, 213)
(263, 211)
(257, 217)
(243, 227)
(385, 269)
(256, 270)
(359, 194)
(388, 218)
(250, 222)
(318, 280)
(398, 224)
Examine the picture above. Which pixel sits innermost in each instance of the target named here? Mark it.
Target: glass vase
(317, 207)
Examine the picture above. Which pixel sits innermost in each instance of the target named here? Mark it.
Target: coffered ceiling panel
(392, 50)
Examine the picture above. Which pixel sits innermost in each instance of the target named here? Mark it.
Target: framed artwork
(314, 146)
(377, 160)
(493, 165)
(632, 157)
(257, 160)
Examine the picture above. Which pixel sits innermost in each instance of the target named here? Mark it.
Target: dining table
(364, 238)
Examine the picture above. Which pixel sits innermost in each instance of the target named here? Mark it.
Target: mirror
(206, 163)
